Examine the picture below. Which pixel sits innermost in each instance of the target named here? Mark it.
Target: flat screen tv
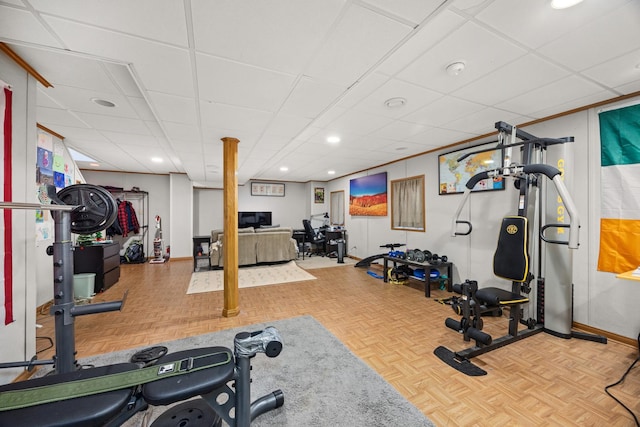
(253, 219)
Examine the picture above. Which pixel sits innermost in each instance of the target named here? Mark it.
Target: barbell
(92, 208)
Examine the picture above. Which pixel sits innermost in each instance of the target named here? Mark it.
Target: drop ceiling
(283, 75)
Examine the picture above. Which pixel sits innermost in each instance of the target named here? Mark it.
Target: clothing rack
(140, 201)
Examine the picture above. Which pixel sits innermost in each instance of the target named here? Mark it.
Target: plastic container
(83, 285)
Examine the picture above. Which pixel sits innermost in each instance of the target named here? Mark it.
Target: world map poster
(455, 172)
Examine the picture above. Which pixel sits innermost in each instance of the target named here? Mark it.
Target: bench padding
(511, 259)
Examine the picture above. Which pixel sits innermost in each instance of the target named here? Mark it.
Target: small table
(201, 252)
(427, 267)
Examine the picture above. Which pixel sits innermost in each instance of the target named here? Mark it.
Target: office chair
(312, 237)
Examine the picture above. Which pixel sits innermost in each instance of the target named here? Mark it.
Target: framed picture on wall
(455, 169)
(267, 189)
(368, 195)
(318, 195)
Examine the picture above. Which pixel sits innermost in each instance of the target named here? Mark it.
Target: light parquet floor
(541, 380)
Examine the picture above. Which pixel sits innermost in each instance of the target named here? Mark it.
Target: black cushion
(511, 259)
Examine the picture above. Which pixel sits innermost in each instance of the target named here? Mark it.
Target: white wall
(18, 337)
(287, 211)
(181, 215)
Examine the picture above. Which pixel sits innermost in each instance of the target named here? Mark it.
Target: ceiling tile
(80, 100)
(117, 124)
(242, 85)
(415, 96)
(359, 123)
(587, 47)
(287, 126)
(443, 111)
(310, 97)
(426, 37)
(618, 71)
(57, 116)
(399, 130)
(440, 137)
(228, 117)
(19, 24)
(357, 43)
(179, 131)
(520, 76)
(549, 97)
(162, 20)
(534, 23)
(412, 10)
(171, 108)
(281, 35)
(149, 58)
(485, 54)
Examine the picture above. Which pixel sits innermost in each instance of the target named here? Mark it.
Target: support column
(230, 239)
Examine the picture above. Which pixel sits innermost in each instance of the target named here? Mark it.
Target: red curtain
(7, 197)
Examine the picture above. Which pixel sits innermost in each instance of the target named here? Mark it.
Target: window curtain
(408, 204)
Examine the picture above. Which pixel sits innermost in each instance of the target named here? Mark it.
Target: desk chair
(313, 238)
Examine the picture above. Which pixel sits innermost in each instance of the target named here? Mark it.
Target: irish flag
(620, 190)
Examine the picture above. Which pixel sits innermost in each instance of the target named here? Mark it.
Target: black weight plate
(149, 355)
(97, 209)
(410, 255)
(192, 413)
(419, 255)
(427, 255)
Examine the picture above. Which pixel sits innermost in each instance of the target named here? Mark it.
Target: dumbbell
(437, 259)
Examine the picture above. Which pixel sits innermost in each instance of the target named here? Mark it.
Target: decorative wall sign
(267, 189)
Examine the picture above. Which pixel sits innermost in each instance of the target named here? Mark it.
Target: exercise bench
(110, 395)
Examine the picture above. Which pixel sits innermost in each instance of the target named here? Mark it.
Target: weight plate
(97, 209)
(149, 355)
(419, 255)
(427, 255)
(410, 255)
(192, 413)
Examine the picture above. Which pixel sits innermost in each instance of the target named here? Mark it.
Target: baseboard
(610, 335)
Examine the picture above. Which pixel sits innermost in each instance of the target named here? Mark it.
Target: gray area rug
(324, 384)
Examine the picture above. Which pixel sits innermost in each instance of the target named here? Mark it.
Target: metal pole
(63, 294)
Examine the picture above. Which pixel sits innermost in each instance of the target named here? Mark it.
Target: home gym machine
(512, 257)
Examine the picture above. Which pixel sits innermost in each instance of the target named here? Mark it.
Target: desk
(427, 269)
(201, 258)
(334, 236)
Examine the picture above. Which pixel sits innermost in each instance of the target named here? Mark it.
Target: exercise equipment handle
(550, 172)
(557, 242)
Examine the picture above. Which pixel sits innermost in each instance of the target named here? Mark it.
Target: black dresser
(102, 259)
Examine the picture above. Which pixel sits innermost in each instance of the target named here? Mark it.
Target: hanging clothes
(127, 218)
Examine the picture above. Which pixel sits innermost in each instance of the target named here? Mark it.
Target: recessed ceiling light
(333, 139)
(283, 168)
(95, 165)
(331, 172)
(103, 102)
(395, 102)
(455, 68)
(156, 160)
(563, 4)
